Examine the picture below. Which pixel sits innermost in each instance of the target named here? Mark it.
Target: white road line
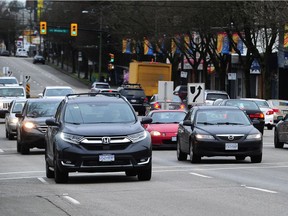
(204, 176)
(259, 189)
(42, 180)
(1, 150)
(72, 200)
(15, 178)
(12, 173)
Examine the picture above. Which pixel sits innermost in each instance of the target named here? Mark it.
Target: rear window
(12, 92)
(215, 96)
(133, 92)
(247, 105)
(102, 86)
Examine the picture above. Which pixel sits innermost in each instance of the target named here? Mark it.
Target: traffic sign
(58, 30)
(195, 93)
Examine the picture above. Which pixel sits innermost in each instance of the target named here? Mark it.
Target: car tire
(145, 174)
(49, 173)
(277, 144)
(18, 146)
(269, 127)
(256, 158)
(181, 156)
(240, 157)
(59, 176)
(6, 134)
(194, 158)
(24, 149)
(10, 136)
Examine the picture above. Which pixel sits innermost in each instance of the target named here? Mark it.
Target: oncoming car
(218, 131)
(97, 132)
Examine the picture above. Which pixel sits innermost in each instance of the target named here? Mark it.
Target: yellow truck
(148, 74)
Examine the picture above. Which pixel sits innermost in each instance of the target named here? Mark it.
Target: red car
(164, 127)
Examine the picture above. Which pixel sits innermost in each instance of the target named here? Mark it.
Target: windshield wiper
(205, 123)
(228, 123)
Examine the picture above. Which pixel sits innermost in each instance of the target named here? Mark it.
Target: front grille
(42, 129)
(6, 105)
(230, 137)
(98, 143)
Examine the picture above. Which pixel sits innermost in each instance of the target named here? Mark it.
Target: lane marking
(259, 189)
(42, 180)
(1, 150)
(200, 175)
(24, 172)
(72, 200)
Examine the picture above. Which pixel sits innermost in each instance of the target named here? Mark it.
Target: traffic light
(111, 57)
(74, 29)
(43, 28)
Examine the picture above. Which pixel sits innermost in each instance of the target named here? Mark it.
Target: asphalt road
(216, 186)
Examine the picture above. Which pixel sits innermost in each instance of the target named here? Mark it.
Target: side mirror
(51, 122)
(19, 115)
(40, 95)
(146, 120)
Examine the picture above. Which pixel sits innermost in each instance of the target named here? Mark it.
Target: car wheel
(59, 176)
(18, 146)
(10, 136)
(277, 144)
(130, 173)
(240, 157)
(6, 133)
(145, 174)
(49, 173)
(180, 155)
(24, 149)
(256, 158)
(194, 158)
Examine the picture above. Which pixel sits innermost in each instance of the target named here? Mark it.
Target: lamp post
(100, 38)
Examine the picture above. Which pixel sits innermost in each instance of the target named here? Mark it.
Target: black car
(38, 59)
(97, 132)
(136, 96)
(251, 109)
(218, 131)
(281, 132)
(31, 126)
(181, 91)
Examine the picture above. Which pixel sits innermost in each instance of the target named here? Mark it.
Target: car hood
(111, 129)
(228, 129)
(168, 127)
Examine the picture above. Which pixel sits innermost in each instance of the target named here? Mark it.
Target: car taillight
(257, 115)
(270, 112)
(275, 110)
(145, 100)
(157, 106)
(182, 106)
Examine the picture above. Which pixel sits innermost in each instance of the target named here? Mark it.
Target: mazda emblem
(106, 140)
(230, 137)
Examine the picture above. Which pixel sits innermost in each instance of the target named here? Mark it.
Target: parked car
(5, 53)
(267, 111)
(211, 95)
(280, 108)
(218, 131)
(96, 86)
(38, 59)
(21, 52)
(97, 133)
(175, 104)
(9, 81)
(56, 91)
(31, 126)
(136, 96)
(251, 109)
(181, 91)
(11, 120)
(164, 127)
(280, 132)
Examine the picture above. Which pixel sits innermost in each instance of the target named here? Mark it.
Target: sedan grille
(230, 137)
(105, 143)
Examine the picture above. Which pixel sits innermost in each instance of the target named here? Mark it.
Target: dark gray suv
(97, 132)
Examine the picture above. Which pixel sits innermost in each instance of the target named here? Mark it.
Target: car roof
(156, 111)
(217, 107)
(90, 97)
(58, 87)
(44, 99)
(254, 99)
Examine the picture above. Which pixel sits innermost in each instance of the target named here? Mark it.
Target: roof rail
(93, 94)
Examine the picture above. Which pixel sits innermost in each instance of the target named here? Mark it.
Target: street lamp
(100, 38)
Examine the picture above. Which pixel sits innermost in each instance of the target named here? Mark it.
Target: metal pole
(100, 46)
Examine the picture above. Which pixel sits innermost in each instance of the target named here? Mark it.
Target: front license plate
(106, 158)
(174, 138)
(231, 146)
(133, 101)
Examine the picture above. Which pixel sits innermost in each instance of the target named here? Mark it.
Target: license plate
(106, 158)
(174, 138)
(231, 146)
(133, 101)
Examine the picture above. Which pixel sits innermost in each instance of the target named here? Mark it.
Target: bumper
(33, 139)
(218, 149)
(74, 158)
(168, 141)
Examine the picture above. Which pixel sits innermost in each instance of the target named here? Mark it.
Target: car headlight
(14, 120)
(29, 125)
(155, 133)
(204, 137)
(257, 136)
(137, 136)
(74, 139)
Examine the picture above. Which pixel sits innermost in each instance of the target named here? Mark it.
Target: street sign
(195, 93)
(165, 92)
(58, 30)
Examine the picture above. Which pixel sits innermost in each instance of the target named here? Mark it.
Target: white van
(21, 52)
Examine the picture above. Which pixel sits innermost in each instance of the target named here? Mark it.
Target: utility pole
(100, 45)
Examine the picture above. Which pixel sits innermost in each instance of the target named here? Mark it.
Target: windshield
(215, 117)
(42, 108)
(98, 112)
(12, 92)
